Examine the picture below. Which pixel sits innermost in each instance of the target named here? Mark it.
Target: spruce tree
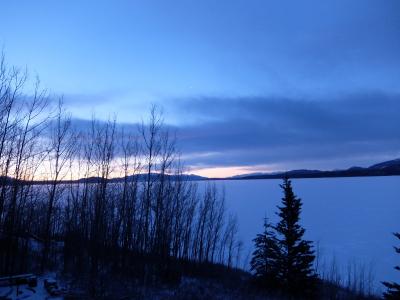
(296, 273)
(263, 262)
(393, 291)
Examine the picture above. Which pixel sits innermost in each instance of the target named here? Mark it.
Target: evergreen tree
(295, 262)
(263, 262)
(393, 291)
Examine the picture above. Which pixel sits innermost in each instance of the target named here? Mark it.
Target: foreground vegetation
(393, 288)
(283, 260)
(98, 225)
(148, 233)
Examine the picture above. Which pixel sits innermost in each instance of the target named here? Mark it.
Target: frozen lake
(351, 219)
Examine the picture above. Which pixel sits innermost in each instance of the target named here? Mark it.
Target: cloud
(361, 127)
(264, 133)
(92, 99)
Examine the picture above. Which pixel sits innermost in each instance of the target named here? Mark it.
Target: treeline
(98, 225)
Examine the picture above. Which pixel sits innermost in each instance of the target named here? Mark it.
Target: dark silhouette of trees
(264, 260)
(393, 288)
(296, 273)
(22, 121)
(282, 257)
(61, 148)
(144, 224)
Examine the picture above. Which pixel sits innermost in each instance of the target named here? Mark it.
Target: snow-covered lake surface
(351, 219)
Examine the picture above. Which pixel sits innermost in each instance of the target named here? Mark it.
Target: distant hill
(387, 168)
(390, 164)
(6, 179)
(139, 177)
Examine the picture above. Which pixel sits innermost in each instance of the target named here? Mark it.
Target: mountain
(249, 174)
(142, 177)
(390, 164)
(139, 177)
(387, 168)
(6, 179)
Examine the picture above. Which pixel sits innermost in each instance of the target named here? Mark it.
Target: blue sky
(249, 85)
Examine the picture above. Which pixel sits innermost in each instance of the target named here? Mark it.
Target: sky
(249, 86)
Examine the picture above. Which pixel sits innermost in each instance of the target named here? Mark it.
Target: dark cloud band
(347, 129)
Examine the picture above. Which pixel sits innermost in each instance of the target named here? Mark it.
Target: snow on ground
(351, 219)
(25, 292)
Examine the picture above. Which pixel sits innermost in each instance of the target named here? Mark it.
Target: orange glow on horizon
(222, 172)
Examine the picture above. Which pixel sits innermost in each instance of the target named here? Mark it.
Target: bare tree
(61, 149)
(151, 211)
(151, 149)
